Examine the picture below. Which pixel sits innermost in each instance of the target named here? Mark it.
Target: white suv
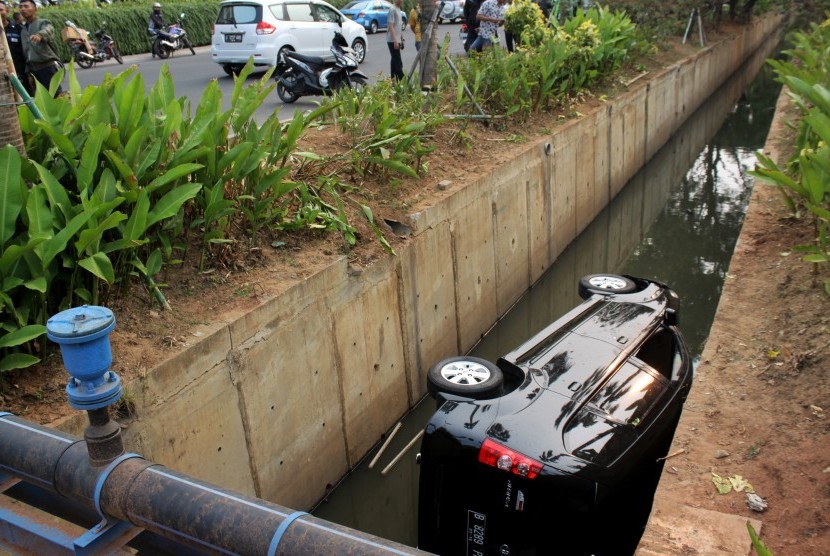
(263, 29)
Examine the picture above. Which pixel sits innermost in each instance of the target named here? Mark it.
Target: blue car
(371, 14)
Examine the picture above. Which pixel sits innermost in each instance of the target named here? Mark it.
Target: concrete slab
(681, 529)
(475, 271)
(290, 394)
(370, 357)
(428, 315)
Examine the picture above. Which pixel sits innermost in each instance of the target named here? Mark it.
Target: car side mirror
(340, 22)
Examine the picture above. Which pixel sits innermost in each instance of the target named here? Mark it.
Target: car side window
(594, 438)
(299, 12)
(278, 10)
(629, 395)
(327, 15)
(660, 353)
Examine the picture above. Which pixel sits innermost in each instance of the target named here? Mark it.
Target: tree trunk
(10, 133)
(429, 67)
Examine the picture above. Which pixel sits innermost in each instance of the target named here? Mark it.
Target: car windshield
(239, 14)
(355, 5)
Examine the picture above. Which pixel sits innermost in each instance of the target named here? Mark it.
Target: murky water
(676, 221)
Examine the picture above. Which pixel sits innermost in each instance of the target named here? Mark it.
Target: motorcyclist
(157, 26)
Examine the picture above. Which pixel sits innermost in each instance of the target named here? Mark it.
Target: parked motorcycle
(300, 75)
(85, 53)
(174, 38)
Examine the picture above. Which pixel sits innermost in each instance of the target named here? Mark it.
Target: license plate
(476, 528)
(233, 37)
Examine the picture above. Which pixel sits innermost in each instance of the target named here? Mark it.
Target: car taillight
(265, 28)
(498, 456)
(361, 14)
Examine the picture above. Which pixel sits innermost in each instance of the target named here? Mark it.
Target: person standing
(394, 38)
(13, 29)
(415, 24)
(470, 12)
(490, 17)
(38, 38)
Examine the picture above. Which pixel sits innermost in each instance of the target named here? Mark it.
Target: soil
(764, 370)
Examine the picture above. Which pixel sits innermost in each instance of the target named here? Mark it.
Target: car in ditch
(545, 451)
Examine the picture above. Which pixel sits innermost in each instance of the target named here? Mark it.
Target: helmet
(156, 6)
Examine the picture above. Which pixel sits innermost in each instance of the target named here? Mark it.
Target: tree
(10, 133)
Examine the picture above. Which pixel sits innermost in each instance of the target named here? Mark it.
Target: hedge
(127, 23)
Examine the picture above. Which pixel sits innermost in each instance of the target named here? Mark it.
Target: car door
(329, 21)
(381, 11)
(306, 32)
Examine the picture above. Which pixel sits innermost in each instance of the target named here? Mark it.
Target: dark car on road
(548, 450)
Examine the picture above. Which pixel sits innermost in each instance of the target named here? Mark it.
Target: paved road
(191, 74)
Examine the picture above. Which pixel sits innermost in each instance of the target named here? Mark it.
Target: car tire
(359, 48)
(605, 284)
(465, 376)
(232, 69)
(373, 27)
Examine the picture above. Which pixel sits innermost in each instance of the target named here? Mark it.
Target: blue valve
(83, 336)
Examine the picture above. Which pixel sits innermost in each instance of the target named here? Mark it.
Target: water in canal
(677, 221)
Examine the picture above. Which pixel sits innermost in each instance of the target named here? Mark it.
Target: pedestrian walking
(490, 17)
(415, 24)
(394, 38)
(470, 12)
(38, 39)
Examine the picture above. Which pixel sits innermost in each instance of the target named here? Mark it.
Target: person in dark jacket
(470, 13)
(38, 38)
(13, 30)
(157, 26)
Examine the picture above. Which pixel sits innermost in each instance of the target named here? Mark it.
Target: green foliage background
(127, 22)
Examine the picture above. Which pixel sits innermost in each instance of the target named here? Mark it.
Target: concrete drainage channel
(358, 371)
(385, 503)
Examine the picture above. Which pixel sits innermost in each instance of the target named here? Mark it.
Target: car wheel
(605, 284)
(373, 27)
(465, 376)
(287, 95)
(359, 48)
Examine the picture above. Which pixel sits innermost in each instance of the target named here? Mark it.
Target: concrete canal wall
(286, 399)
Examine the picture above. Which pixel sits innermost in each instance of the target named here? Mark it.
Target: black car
(550, 450)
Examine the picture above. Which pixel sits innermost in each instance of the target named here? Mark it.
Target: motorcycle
(84, 52)
(299, 75)
(174, 38)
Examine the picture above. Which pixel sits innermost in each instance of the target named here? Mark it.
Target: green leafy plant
(805, 180)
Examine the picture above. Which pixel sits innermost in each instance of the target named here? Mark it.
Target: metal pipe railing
(173, 505)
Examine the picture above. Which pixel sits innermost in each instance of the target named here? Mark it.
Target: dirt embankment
(760, 405)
